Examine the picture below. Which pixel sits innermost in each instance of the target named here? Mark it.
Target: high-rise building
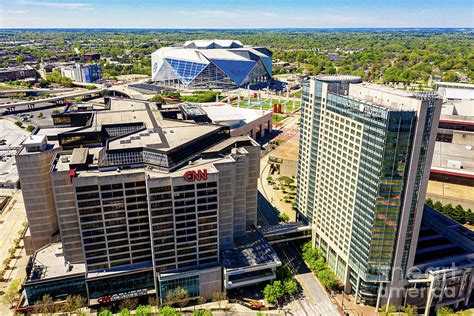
(143, 204)
(365, 156)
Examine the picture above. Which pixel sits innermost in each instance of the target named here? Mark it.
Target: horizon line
(240, 28)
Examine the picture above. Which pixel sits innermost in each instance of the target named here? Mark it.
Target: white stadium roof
(213, 44)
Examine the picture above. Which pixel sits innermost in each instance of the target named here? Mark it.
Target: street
(314, 300)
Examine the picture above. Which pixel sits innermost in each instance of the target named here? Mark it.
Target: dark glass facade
(58, 290)
(120, 284)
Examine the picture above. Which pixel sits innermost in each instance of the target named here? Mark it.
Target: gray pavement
(314, 300)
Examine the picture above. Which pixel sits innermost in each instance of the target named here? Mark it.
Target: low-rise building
(443, 271)
(83, 72)
(17, 73)
(241, 121)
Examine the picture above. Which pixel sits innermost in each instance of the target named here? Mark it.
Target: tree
(105, 312)
(11, 294)
(451, 76)
(177, 296)
(444, 311)
(124, 312)
(429, 202)
(328, 279)
(167, 311)
(273, 292)
(153, 301)
(45, 305)
(18, 123)
(438, 206)
(283, 272)
(387, 310)
(73, 303)
(157, 98)
(284, 217)
(201, 300)
(290, 286)
(219, 297)
(6, 262)
(143, 310)
(129, 303)
(284, 180)
(30, 128)
(12, 251)
(43, 83)
(410, 310)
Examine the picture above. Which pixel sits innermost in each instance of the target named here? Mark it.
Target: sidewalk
(11, 221)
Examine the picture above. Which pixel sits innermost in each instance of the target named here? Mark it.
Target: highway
(59, 97)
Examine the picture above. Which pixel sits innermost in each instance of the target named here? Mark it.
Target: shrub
(157, 98)
(283, 217)
(290, 286)
(30, 128)
(105, 312)
(143, 310)
(124, 312)
(167, 311)
(328, 279)
(18, 123)
(273, 292)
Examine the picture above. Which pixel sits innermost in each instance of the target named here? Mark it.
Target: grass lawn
(254, 104)
(278, 118)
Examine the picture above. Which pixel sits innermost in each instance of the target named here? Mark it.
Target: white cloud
(15, 11)
(60, 5)
(234, 14)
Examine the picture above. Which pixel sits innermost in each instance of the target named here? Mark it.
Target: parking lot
(39, 117)
(11, 136)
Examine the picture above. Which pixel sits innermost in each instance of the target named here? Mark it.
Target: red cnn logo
(195, 175)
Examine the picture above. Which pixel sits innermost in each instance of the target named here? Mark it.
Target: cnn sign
(195, 175)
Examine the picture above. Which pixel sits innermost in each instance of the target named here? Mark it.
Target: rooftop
(216, 43)
(453, 157)
(443, 242)
(250, 250)
(49, 263)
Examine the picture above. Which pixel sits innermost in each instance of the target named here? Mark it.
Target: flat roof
(448, 155)
(250, 250)
(34, 139)
(284, 228)
(287, 150)
(442, 242)
(49, 263)
(79, 155)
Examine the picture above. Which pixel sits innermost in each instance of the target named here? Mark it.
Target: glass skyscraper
(365, 152)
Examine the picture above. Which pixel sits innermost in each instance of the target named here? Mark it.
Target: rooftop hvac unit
(454, 164)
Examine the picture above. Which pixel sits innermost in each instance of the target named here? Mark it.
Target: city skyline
(233, 14)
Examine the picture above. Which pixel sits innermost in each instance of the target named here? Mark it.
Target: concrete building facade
(149, 210)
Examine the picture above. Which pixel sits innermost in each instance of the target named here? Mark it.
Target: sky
(235, 14)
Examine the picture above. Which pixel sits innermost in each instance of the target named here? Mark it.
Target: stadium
(213, 64)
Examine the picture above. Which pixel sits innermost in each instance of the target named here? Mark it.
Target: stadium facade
(214, 64)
